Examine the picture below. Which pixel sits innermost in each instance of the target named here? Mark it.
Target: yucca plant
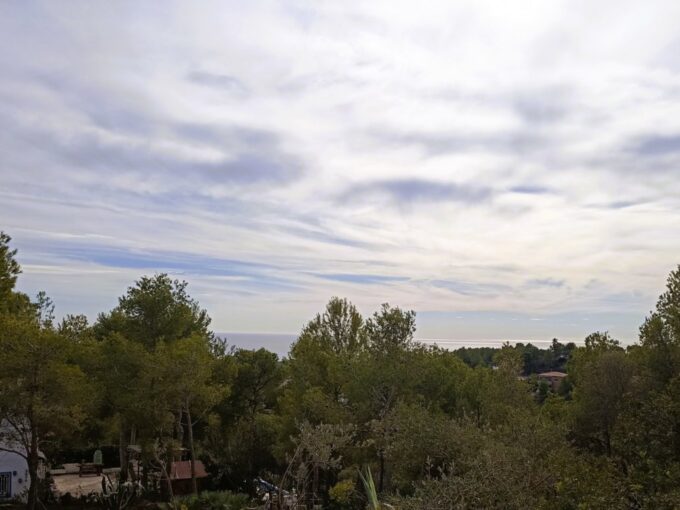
(371, 493)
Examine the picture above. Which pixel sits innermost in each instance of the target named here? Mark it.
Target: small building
(14, 477)
(554, 379)
(180, 476)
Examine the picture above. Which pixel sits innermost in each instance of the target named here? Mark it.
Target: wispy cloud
(545, 282)
(658, 145)
(370, 279)
(478, 289)
(219, 81)
(528, 189)
(461, 157)
(402, 191)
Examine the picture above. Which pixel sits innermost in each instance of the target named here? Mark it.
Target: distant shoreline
(280, 342)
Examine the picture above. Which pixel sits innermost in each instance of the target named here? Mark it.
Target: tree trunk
(167, 471)
(33, 460)
(329, 480)
(169, 485)
(608, 442)
(381, 480)
(676, 440)
(192, 454)
(122, 453)
(179, 430)
(145, 475)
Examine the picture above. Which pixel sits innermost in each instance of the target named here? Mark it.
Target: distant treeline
(534, 359)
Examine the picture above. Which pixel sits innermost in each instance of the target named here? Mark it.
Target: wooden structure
(180, 476)
(89, 468)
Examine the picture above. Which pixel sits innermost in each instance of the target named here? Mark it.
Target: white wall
(11, 462)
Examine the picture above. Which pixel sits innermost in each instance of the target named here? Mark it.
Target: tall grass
(371, 492)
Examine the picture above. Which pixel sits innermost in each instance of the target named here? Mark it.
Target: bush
(342, 493)
(218, 500)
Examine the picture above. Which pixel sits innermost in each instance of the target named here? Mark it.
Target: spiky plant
(369, 486)
(371, 492)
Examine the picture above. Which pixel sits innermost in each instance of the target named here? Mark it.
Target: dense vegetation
(438, 429)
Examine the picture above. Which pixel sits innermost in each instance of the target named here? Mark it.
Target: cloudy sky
(506, 169)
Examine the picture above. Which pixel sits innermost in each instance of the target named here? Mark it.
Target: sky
(508, 170)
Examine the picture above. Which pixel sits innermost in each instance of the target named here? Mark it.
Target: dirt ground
(77, 485)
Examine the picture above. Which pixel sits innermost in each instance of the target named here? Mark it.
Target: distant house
(180, 476)
(554, 379)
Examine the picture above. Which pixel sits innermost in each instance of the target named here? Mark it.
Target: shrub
(218, 500)
(342, 493)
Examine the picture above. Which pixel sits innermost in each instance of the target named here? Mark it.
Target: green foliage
(390, 330)
(185, 368)
(76, 328)
(342, 494)
(9, 267)
(12, 303)
(509, 360)
(419, 442)
(317, 450)
(213, 500)
(244, 425)
(38, 377)
(600, 398)
(156, 309)
(255, 383)
(340, 329)
(533, 359)
(164, 384)
(525, 464)
(44, 396)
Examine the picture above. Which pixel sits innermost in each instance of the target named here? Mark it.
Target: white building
(14, 477)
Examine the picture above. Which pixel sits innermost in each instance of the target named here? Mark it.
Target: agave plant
(371, 493)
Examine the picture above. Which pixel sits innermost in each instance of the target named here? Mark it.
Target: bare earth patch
(79, 486)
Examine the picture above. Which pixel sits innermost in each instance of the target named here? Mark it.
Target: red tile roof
(182, 470)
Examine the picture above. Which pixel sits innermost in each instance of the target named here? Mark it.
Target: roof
(182, 470)
(552, 374)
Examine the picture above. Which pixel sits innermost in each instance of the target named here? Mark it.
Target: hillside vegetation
(437, 429)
